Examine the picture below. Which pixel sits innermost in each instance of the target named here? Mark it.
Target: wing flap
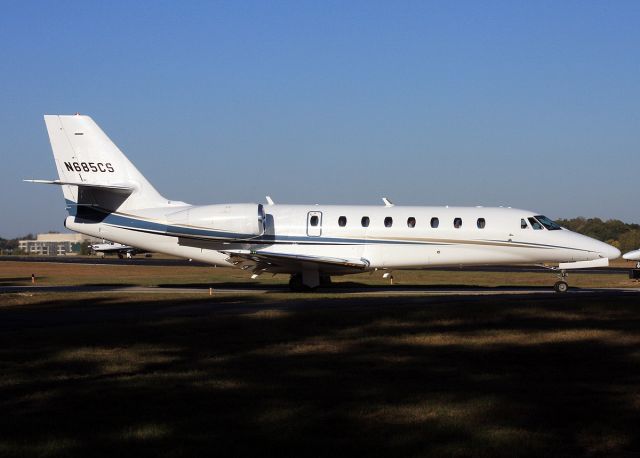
(262, 260)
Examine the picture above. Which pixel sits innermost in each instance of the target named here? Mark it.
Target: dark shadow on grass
(342, 286)
(339, 286)
(227, 285)
(109, 285)
(18, 281)
(387, 376)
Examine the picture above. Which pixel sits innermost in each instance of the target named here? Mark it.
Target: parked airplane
(107, 197)
(121, 250)
(633, 256)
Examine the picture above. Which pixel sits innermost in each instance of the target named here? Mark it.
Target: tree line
(11, 245)
(624, 236)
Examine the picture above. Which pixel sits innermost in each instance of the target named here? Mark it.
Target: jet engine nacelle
(225, 221)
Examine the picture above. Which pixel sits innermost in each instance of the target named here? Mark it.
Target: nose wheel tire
(561, 287)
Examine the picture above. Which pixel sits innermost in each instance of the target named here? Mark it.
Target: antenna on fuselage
(387, 202)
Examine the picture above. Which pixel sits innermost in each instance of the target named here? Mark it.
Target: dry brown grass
(19, 273)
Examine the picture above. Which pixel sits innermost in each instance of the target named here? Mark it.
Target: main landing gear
(561, 286)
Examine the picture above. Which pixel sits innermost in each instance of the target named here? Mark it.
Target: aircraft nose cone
(608, 251)
(632, 255)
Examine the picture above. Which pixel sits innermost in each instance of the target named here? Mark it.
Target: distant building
(54, 244)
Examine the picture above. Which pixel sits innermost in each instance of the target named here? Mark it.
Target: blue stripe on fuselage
(143, 225)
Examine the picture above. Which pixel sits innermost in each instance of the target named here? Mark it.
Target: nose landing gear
(561, 286)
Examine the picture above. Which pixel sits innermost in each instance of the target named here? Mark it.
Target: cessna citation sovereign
(107, 197)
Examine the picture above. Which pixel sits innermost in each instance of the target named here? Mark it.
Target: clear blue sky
(528, 104)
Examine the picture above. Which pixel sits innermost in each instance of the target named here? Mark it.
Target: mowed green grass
(283, 375)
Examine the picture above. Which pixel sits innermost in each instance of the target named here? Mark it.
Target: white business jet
(107, 197)
(633, 256)
(107, 247)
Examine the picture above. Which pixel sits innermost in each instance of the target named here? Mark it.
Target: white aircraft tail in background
(107, 197)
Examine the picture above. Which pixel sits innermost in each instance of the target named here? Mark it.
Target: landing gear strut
(561, 286)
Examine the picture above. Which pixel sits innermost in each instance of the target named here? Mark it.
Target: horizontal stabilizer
(125, 188)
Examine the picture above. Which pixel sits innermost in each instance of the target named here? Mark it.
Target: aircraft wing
(264, 260)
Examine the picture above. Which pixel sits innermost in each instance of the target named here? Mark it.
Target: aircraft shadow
(350, 286)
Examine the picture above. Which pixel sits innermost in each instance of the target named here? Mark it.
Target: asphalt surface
(143, 261)
(336, 289)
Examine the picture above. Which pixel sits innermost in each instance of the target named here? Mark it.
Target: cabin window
(435, 222)
(411, 222)
(342, 221)
(314, 220)
(388, 221)
(481, 223)
(534, 224)
(457, 223)
(365, 221)
(523, 224)
(546, 222)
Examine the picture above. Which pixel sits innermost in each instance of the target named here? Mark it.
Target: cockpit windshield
(549, 224)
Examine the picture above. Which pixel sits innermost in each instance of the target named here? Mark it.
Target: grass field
(315, 374)
(19, 273)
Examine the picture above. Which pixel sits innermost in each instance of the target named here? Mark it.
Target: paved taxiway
(369, 291)
(142, 261)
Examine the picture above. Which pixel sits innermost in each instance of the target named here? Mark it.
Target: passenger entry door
(314, 224)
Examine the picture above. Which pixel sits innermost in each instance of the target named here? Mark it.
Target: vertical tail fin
(84, 154)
